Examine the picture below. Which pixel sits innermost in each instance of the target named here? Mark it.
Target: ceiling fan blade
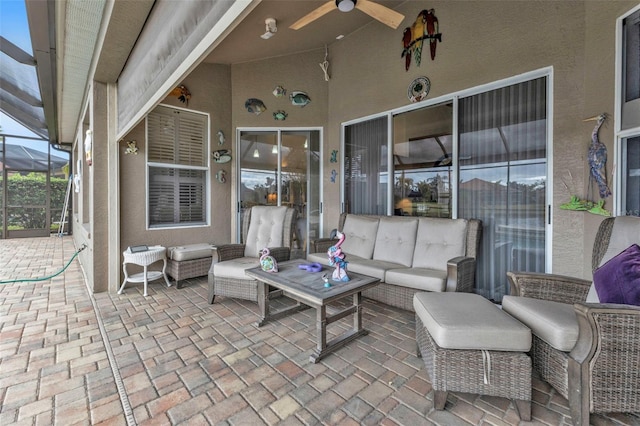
(313, 15)
(382, 13)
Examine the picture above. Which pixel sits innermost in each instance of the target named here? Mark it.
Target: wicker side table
(144, 259)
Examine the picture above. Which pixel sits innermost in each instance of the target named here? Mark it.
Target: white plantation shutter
(177, 160)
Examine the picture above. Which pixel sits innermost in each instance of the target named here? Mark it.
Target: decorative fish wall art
(221, 156)
(255, 106)
(299, 98)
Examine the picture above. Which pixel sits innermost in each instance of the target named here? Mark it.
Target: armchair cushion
(265, 229)
(554, 322)
(235, 268)
(360, 235)
(618, 280)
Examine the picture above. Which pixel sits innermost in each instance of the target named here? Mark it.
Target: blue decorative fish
(299, 98)
(255, 106)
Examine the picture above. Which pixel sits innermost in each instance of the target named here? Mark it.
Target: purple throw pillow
(618, 280)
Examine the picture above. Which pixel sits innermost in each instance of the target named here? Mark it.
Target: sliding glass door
(282, 168)
(480, 155)
(503, 178)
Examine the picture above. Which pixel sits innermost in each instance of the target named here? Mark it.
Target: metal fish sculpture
(299, 98)
(255, 106)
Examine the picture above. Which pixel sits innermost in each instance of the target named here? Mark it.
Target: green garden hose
(26, 280)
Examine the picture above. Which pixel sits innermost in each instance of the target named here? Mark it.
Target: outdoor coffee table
(307, 288)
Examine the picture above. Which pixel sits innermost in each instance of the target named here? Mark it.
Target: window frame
(621, 135)
(177, 167)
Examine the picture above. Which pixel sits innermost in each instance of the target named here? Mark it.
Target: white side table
(144, 259)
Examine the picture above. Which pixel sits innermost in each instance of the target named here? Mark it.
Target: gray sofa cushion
(554, 322)
(396, 240)
(359, 265)
(438, 241)
(418, 278)
(469, 321)
(360, 235)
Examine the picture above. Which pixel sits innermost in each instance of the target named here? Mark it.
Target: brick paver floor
(171, 358)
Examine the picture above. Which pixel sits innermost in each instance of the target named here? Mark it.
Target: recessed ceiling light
(340, 37)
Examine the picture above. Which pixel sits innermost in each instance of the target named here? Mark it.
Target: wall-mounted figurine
(425, 27)
(132, 148)
(255, 106)
(334, 156)
(221, 156)
(334, 175)
(299, 98)
(182, 93)
(418, 89)
(221, 138)
(221, 176)
(279, 91)
(280, 115)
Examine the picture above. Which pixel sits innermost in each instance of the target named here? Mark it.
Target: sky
(15, 28)
(14, 25)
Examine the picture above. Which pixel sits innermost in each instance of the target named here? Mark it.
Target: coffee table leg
(321, 329)
(357, 316)
(263, 303)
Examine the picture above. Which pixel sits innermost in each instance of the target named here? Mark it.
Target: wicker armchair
(600, 374)
(262, 226)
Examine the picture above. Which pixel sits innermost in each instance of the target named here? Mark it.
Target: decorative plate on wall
(419, 89)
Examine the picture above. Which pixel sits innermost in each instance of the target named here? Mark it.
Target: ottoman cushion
(190, 252)
(469, 321)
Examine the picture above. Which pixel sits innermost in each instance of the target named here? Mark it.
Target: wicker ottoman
(470, 345)
(189, 261)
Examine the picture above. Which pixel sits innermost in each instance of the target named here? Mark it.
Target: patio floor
(171, 358)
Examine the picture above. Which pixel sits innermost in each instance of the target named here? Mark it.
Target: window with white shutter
(177, 167)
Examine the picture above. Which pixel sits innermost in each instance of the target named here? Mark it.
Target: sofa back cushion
(438, 241)
(360, 235)
(266, 229)
(396, 240)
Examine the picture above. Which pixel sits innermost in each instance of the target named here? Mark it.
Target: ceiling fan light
(346, 5)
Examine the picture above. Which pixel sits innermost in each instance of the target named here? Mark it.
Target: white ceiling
(245, 45)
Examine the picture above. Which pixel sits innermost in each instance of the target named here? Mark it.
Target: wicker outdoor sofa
(588, 351)
(407, 254)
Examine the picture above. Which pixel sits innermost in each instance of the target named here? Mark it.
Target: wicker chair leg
(211, 295)
(523, 408)
(439, 399)
(578, 380)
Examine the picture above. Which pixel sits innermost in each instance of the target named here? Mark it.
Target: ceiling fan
(377, 11)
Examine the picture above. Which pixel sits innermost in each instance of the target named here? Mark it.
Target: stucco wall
(210, 89)
(294, 72)
(483, 41)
